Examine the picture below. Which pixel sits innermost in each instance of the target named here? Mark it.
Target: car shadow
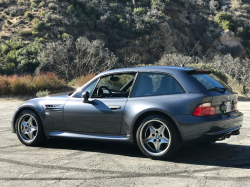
(218, 154)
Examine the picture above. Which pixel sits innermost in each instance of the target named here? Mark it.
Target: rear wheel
(29, 128)
(158, 138)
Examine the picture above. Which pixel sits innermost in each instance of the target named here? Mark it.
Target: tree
(71, 59)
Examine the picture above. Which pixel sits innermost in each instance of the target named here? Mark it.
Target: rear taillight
(204, 109)
(235, 105)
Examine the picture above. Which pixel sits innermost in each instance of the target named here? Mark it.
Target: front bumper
(209, 128)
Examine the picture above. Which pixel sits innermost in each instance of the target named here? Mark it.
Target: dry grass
(28, 85)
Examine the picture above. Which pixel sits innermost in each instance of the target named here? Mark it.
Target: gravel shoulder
(92, 163)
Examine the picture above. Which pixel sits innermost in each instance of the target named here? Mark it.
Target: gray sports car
(159, 108)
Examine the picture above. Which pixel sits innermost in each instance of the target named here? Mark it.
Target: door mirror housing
(85, 96)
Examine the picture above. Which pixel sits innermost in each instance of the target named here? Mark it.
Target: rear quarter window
(153, 84)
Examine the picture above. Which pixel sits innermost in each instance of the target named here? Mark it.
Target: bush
(41, 40)
(12, 44)
(29, 15)
(27, 57)
(48, 18)
(20, 2)
(70, 9)
(83, 79)
(224, 20)
(26, 32)
(42, 93)
(11, 57)
(53, 6)
(42, 14)
(65, 36)
(28, 85)
(35, 33)
(41, 4)
(55, 19)
(139, 11)
(47, 81)
(39, 25)
(213, 69)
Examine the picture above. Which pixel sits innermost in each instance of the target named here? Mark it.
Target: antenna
(183, 65)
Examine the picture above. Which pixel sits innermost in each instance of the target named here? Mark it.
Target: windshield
(211, 82)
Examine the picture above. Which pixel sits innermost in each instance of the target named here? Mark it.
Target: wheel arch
(150, 113)
(21, 110)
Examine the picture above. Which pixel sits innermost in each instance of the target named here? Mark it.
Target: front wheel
(158, 138)
(29, 128)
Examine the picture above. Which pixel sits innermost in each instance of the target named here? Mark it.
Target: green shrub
(25, 32)
(39, 25)
(27, 60)
(35, 33)
(139, 11)
(42, 14)
(11, 57)
(12, 44)
(224, 20)
(41, 4)
(124, 24)
(52, 6)
(70, 9)
(48, 18)
(28, 14)
(213, 69)
(113, 5)
(41, 40)
(65, 36)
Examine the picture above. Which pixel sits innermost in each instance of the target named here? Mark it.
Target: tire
(158, 138)
(29, 128)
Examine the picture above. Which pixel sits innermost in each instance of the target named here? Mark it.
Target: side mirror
(85, 96)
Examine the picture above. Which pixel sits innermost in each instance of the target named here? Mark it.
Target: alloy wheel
(27, 128)
(155, 137)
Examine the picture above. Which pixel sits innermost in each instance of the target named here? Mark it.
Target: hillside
(76, 37)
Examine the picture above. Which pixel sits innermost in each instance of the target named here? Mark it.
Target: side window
(117, 85)
(152, 84)
(89, 88)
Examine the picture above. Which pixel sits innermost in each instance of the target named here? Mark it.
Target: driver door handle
(114, 107)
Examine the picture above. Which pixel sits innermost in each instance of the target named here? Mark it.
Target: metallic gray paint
(77, 119)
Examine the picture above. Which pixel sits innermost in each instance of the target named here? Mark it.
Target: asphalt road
(91, 163)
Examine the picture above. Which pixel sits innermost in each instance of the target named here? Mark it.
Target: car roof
(149, 69)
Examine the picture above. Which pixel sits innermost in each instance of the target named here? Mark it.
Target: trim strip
(85, 136)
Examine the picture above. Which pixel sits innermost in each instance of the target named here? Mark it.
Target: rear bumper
(210, 128)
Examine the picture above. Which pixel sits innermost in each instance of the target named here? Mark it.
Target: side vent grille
(53, 107)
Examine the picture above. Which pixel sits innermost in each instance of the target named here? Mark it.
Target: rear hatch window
(225, 99)
(212, 83)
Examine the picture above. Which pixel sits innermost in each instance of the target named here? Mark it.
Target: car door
(104, 111)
